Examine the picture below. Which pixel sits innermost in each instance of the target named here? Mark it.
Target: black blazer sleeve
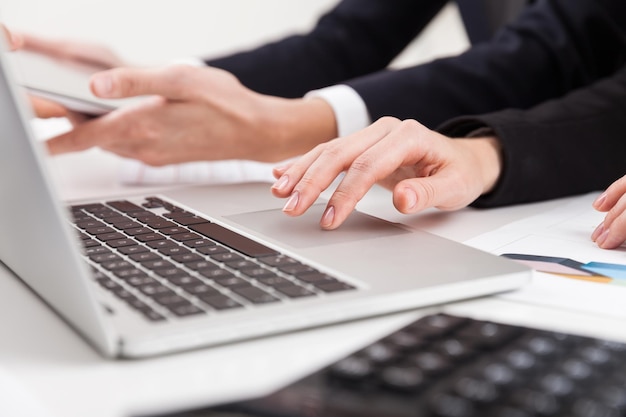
(553, 47)
(357, 37)
(563, 147)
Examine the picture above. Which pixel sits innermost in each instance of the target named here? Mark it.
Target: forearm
(563, 147)
(553, 48)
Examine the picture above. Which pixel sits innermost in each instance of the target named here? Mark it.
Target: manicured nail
(281, 184)
(291, 204)
(597, 232)
(411, 197)
(103, 85)
(282, 168)
(328, 217)
(599, 200)
(602, 238)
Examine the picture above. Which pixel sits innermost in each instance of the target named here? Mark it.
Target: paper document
(564, 233)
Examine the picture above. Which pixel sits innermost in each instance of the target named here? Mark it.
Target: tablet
(62, 82)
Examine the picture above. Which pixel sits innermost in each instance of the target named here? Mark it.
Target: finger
(46, 108)
(94, 55)
(279, 170)
(15, 41)
(316, 171)
(614, 213)
(77, 118)
(378, 162)
(439, 190)
(40, 44)
(290, 176)
(614, 235)
(174, 82)
(612, 194)
(95, 132)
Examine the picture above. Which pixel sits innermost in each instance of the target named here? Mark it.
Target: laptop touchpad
(304, 231)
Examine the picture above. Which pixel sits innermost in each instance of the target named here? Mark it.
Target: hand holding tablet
(64, 82)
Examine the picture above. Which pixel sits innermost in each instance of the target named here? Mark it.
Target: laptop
(207, 265)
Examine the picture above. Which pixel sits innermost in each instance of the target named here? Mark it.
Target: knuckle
(388, 121)
(332, 149)
(364, 168)
(345, 196)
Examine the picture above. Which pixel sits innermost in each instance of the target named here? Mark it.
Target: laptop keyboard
(168, 263)
(449, 366)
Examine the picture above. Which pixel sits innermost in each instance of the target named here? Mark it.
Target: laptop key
(278, 260)
(231, 281)
(95, 250)
(121, 242)
(274, 281)
(187, 258)
(110, 236)
(196, 242)
(130, 250)
(157, 264)
(294, 291)
(211, 250)
(186, 310)
(188, 220)
(219, 301)
(149, 237)
(254, 295)
(99, 230)
(334, 286)
(124, 206)
(135, 231)
(144, 256)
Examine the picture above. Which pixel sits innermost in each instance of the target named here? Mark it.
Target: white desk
(62, 374)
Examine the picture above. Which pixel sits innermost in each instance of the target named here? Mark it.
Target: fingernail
(292, 202)
(411, 197)
(599, 200)
(602, 238)
(281, 168)
(328, 217)
(103, 85)
(597, 232)
(281, 184)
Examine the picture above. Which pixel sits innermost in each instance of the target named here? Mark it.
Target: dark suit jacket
(566, 146)
(553, 47)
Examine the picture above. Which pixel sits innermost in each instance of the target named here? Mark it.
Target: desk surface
(67, 378)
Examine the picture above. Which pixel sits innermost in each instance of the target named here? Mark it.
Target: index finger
(87, 135)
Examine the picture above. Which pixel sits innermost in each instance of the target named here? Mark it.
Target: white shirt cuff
(350, 110)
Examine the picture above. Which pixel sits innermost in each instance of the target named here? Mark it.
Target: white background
(158, 31)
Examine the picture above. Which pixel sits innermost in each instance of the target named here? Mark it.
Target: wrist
(488, 151)
(298, 125)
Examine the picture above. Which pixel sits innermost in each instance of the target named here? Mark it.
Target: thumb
(416, 194)
(129, 82)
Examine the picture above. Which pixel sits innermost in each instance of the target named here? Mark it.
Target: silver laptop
(210, 265)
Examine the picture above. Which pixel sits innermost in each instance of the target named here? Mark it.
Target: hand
(96, 57)
(42, 108)
(423, 168)
(197, 114)
(611, 233)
